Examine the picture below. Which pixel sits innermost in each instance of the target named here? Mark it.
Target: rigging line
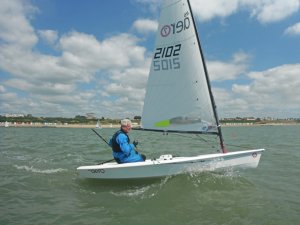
(110, 160)
(102, 138)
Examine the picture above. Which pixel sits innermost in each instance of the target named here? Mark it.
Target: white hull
(167, 165)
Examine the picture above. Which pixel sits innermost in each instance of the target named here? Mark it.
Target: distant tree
(80, 117)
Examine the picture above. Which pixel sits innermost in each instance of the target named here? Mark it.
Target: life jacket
(115, 146)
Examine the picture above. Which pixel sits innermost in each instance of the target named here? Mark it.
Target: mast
(208, 83)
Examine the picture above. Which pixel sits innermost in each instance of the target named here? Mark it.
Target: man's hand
(135, 143)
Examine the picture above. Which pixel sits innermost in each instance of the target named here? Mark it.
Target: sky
(68, 58)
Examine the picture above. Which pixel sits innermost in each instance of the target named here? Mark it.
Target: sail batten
(178, 97)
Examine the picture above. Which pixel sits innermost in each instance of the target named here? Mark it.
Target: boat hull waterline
(166, 165)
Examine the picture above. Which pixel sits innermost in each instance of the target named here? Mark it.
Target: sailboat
(6, 124)
(98, 125)
(178, 99)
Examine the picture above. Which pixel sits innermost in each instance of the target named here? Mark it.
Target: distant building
(14, 115)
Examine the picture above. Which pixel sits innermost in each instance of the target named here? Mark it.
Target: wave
(34, 170)
(144, 191)
(132, 192)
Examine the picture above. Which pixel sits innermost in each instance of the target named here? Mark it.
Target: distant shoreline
(259, 124)
(61, 126)
(90, 126)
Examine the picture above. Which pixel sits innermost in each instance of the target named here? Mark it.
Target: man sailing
(123, 150)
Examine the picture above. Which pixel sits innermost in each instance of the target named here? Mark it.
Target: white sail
(177, 96)
(98, 125)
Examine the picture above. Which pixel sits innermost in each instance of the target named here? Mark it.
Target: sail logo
(177, 27)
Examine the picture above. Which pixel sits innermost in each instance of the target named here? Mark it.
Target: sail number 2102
(167, 58)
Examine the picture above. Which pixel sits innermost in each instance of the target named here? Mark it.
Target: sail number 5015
(166, 58)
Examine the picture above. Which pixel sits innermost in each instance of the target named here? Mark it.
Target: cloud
(128, 90)
(50, 36)
(293, 30)
(85, 51)
(2, 89)
(46, 88)
(15, 27)
(265, 11)
(220, 71)
(270, 90)
(145, 26)
(212, 9)
(37, 80)
(272, 11)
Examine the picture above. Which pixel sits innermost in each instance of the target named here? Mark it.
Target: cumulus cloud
(85, 51)
(272, 89)
(293, 30)
(265, 11)
(50, 36)
(128, 87)
(145, 25)
(15, 26)
(52, 82)
(46, 88)
(271, 11)
(212, 9)
(2, 89)
(220, 71)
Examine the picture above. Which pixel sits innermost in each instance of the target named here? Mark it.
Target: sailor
(123, 150)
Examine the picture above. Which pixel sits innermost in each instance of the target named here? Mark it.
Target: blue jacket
(126, 153)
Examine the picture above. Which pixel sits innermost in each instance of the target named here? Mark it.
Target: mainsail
(178, 96)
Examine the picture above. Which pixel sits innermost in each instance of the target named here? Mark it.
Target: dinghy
(98, 125)
(178, 99)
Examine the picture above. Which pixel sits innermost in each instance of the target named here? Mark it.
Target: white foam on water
(34, 170)
(143, 192)
(132, 192)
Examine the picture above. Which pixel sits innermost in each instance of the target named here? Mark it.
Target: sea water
(39, 183)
